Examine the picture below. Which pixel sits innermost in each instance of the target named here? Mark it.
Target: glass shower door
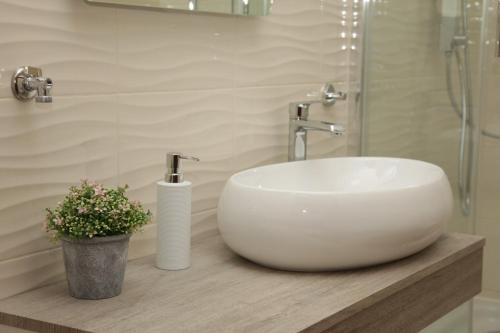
(421, 73)
(420, 76)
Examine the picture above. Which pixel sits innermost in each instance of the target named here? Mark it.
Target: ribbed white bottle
(173, 249)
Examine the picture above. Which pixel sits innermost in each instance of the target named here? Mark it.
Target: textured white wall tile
(31, 271)
(195, 123)
(73, 42)
(44, 148)
(283, 48)
(337, 20)
(159, 51)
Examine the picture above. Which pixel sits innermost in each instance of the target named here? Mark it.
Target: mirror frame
(244, 6)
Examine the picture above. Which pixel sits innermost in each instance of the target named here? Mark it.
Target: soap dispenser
(173, 246)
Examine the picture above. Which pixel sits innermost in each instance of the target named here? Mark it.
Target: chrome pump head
(174, 167)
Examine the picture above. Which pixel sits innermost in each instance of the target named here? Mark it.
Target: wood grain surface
(223, 292)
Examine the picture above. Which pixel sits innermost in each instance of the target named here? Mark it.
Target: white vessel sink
(334, 213)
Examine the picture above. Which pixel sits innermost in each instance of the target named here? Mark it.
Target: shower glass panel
(420, 80)
(420, 87)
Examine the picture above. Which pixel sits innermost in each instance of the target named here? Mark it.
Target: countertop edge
(360, 306)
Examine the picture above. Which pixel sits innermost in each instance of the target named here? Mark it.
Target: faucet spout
(317, 125)
(297, 139)
(43, 87)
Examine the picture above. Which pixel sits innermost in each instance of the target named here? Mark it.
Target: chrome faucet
(300, 125)
(28, 83)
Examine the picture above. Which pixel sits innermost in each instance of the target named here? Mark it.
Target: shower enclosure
(418, 82)
(428, 73)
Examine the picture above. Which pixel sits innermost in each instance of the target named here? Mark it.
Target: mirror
(230, 7)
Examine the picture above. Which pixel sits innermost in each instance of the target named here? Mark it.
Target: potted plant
(94, 224)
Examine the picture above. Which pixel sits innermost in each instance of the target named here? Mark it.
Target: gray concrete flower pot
(95, 267)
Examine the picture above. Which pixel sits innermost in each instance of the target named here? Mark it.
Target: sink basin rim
(236, 179)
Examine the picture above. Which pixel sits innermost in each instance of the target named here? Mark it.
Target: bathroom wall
(131, 85)
(488, 185)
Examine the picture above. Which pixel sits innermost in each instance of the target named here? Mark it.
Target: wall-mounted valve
(28, 83)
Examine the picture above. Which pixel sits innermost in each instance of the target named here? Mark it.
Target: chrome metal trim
(300, 125)
(27, 83)
(498, 29)
(174, 167)
(365, 16)
(328, 96)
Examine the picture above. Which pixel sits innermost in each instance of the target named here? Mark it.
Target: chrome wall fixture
(300, 124)
(28, 83)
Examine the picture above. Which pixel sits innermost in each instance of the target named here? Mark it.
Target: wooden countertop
(222, 292)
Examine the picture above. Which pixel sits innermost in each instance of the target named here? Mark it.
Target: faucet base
(17, 83)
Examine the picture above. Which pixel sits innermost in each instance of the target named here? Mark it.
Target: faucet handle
(329, 95)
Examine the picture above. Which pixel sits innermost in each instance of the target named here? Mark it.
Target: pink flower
(58, 220)
(125, 207)
(82, 210)
(99, 190)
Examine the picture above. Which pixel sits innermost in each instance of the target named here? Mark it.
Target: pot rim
(97, 240)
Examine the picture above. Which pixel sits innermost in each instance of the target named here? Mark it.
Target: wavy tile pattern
(198, 123)
(131, 85)
(74, 44)
(174, 51)
(43, 150)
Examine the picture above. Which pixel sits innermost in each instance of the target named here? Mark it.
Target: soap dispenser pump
(173, 246)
